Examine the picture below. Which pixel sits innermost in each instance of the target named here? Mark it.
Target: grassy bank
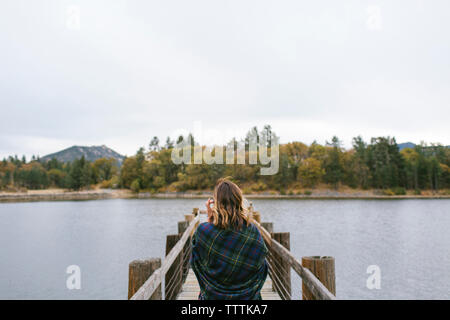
(64, 195)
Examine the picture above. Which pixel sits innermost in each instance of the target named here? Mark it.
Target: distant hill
(404, 145)
(411, 145)
(90, 153)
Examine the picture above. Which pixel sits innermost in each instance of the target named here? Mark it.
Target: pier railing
(280, 261)
(155, 280)
(164, 279)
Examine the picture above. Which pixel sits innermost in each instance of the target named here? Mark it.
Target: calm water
(408, 239)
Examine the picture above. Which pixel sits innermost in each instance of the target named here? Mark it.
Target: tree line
(18, 174)
(378, 164)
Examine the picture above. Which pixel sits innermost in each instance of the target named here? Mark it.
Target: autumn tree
(310, 172)
(333, 162)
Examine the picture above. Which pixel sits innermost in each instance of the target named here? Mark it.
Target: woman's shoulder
(206, 227)
(252, 227)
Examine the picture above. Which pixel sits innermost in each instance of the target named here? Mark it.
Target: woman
(228, 252)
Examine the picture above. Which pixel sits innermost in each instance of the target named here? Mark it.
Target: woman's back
(229, 263)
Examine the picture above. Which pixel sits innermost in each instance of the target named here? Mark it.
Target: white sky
(134, 69)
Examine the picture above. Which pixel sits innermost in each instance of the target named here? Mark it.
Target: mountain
(90, 153)
(411, 145)
(404, 145)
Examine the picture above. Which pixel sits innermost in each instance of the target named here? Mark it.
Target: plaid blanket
(229, 264)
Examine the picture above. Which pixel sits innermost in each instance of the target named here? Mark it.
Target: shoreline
(63, 195)
(99, 194)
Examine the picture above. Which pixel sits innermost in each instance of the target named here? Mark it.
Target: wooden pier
(190, 289)
(172, 278)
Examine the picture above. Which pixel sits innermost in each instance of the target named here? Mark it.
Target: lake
(408, 239)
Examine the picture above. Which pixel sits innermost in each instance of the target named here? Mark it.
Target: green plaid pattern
(229, 263)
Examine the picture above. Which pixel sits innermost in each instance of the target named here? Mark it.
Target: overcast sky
(119, 72)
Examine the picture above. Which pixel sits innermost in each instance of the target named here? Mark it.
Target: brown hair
(228, 210)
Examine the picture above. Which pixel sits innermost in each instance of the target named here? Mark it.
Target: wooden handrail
(312, 283)
(153, 282)
(316, 287)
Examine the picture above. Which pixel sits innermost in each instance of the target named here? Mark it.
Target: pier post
(268, 226)
(281, 282)
(174, 275)
(138, 272)
(323, 269)
(182, 226)
(188, 245)
(257, 216)
(189, 218)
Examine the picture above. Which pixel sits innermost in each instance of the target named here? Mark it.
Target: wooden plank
(268, 226)
(281, 267)
(257, 216)
(173, 277)
(316, 287)
(189, 218)
(182, 226)
(323, 269)
(147, 289)
(138, 272)
(191, 289)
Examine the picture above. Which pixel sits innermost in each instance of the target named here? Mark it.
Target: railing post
(268, 226)
(174, 274)
(257, 216)
(138, 272)
(282, 267)
(148, 284)
(188, 245)
(182, 226)
(323, 269)
(189, 218)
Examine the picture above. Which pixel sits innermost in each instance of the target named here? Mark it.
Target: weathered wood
(195, 211)
(316, 287)
(138, 272)
(187, 247)
(152, 283)
(174, 274)
(266, 229)
(182, 226)
(281, 267)
(191, 289)
(189, 218)
(323, 269)
(279, 246)
(257, 216)
(268, 226)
